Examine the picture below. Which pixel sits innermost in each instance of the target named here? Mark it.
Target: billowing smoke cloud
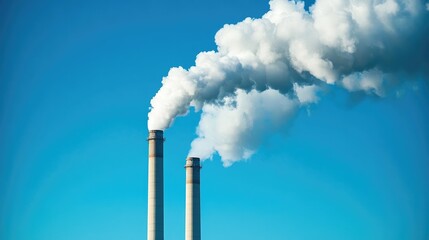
(265, 69)
(234, 129)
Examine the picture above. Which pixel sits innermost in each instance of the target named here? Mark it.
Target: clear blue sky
(76, 78)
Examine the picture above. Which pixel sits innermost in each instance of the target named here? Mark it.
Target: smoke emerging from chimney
(265, 69)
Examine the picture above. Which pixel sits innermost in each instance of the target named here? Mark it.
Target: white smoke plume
(264, 69)
(234, 129)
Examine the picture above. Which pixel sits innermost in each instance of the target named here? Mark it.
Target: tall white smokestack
(155, 211)
(192, 218)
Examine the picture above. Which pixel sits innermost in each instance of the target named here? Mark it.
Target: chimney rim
(193, 162)
(156, 131)
(156, 135)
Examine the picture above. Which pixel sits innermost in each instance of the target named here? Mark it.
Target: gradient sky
(76, 78)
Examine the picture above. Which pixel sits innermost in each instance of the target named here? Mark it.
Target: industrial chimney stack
(155, 211)
(192, 218)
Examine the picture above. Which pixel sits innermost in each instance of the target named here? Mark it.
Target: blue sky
(76, 78)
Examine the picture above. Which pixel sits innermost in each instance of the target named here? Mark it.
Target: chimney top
(156, 131)
(192, 162)
(156, 134)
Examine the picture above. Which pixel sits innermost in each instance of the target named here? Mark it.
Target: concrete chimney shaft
(155, 210)
(192, 218)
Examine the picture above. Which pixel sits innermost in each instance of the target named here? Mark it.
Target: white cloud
(369, 81)
(353, 44)
(307, 94)
(236, 129)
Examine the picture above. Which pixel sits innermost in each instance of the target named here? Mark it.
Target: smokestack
(192, 218)
(155, 211)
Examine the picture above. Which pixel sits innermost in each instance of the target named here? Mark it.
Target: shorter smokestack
(192, 218)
